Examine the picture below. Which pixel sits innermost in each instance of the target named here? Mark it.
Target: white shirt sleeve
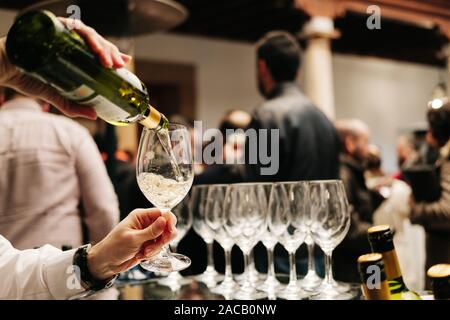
(44, 273)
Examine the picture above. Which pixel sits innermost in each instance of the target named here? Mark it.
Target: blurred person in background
(407, 153)
(435, 216)
(232, 151)
(308, 142)
(392, 203)
(376, 179)
(355, 137)
(52, 179)
(119, 165)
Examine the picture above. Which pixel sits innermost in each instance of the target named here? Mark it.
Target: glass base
(333, 291)
(293, 292)
(167, 263)
(226, 288)
(270, 285)
(245, 293)
(174, 280)
(256, 277)
(210, 277)
(311, 281)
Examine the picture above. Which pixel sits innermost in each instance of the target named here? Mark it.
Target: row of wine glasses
(289, 213)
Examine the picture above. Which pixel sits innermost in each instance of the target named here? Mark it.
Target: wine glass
(330, 224)
(210, 276)
(257, 278)
(290, 222)
(214, 218)
(311, 280)
(165, 173)
(184, 222)
(245, 222)
(277, 209)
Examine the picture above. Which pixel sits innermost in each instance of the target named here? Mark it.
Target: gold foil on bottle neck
(152, 120)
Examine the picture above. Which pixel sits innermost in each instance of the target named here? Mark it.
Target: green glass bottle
(382, 241)
(40, 45)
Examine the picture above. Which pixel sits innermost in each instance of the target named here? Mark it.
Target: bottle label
(105, 109)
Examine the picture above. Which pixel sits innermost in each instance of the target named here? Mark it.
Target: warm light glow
(436, 103)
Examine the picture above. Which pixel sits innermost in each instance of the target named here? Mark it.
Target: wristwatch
(90, 283)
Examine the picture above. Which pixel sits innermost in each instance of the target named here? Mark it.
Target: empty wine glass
(184, 222)
(290, 222)
(199, 195)
(330, 224)
(257, 277)
(277, 209)
(164, 173)
(245, 222)
(311, 280)
(214, 219)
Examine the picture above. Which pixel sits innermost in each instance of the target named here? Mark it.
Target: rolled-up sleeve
(44, 273)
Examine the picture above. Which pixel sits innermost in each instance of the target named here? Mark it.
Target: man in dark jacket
(308, 143)
(301, 143)
(355, 136)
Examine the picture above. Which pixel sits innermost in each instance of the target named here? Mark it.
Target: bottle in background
(381, 241)
(40, 45)
(373, 277)
(440, 281)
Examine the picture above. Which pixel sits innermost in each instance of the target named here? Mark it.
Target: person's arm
(49, 273)
(35, 274)
(435, 215)
(100, 204)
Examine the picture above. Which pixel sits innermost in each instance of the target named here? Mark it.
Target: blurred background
(206, 65)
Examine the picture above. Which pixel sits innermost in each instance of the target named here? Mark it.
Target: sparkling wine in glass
(165, 173)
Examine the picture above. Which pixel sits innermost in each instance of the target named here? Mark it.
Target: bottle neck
(392, 266)
(153, 119)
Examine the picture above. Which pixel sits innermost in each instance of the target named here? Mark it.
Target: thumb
(154, 230)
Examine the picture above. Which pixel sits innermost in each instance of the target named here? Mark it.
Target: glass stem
(228, 270)
(270, 264)
(210, 253)
(247, 284)
(311, 262)
(328, 267)
(251, 261)
(293, 269)
(165, 251)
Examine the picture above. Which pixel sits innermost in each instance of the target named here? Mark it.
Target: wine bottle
(382, 241)
(40, 45)
(440, 281)
(373, 277)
